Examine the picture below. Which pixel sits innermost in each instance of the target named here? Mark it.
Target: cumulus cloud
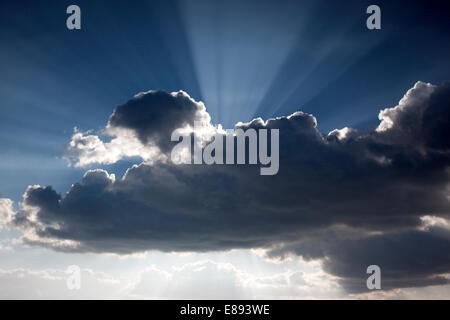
(140, 128)
(86, 149)
(198, 280)
(421, 120)
(409, 258)
(23, 283)
(337, 193)
(6, 212)
(156, 123)
(201, 280)
(204, 278)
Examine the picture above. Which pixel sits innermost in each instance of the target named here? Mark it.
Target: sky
(86, 177)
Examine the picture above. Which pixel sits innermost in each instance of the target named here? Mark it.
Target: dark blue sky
(242, 58)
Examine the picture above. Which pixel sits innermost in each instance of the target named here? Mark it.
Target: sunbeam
(118, 179)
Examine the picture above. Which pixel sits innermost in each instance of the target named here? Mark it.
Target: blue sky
(244, 59)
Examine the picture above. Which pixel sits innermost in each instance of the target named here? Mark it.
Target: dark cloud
(154, 115)
(364, 183)
(437, 119)
(408, 258)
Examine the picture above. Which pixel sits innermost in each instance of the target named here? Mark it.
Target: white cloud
(6, 212)
(175, 276)
(142, 142)
(209, 279)
(85, 149)
(415, 100)
(23, 283)
(433, 221)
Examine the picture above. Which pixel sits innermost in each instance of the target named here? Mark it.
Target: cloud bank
(350, 198)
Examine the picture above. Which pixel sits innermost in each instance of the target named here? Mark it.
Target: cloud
(410, 258)
(437, 292)
(6, 212)
(156, 123)
(201, 280)
(363, 189)
(420, 121)
(139, 128)
(197, 277)
(23, 283)
(198, 280)
(90, 149)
